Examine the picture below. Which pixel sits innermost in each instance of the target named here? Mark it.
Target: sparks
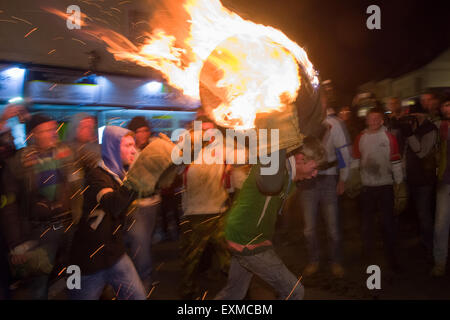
(204, 295)
(67, 229)
(84, 189)
(32, 30)
(132, 224)
(23, 20)
(48, 178)
(97, 251)
(59, 128)
(298, 281)
(78, 40)
(118, 227)
(62, 271)
(29, 136)
(151, 291)
(75, 194)
(74, 173)
(160, 266)
(51, 51)
(48, 229)
(53, 86)
(10, 21)
(131, 210)
(254, 239)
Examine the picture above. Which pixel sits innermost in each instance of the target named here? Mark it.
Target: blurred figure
(98, 247)
(139, 238)
(345, 114)
(250, 226)
(323, 193)
(142, 131)
(203, 245)
(421, 137)
(430, 102)
(394, 120)
(7, 150)
(442, 223)
(378, 159)
(81, 136)
(38, 184)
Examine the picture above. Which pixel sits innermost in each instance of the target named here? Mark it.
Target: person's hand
(17, 259)
(304, 169)
(340, 188)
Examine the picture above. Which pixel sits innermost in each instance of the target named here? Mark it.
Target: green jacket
(252, 217)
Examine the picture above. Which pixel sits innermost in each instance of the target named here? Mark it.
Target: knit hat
(138, 122)
(36, 120)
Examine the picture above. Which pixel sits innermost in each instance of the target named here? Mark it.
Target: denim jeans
(315, 194)
(122, 276)
(422, 197)
(442, 224)
(266, 265)
(139, 239)
(373, 200)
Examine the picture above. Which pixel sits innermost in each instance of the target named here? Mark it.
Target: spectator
(139, 238)
(430, 102)
(39, 185)
(420, 158)
(98, 247)
(442, 222)
(323, 192)
(7, 150)
(202, 238)
(394, 120)
(377, 155)
(81, 136)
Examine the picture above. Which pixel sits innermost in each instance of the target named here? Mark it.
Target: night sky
(343, 49)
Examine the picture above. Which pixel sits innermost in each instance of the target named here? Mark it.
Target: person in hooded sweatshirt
(98, 247)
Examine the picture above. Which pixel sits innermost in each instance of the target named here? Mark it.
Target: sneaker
(311, 269)
(337, 270)
(438, 270)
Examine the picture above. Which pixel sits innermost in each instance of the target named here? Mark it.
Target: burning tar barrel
(253, 82)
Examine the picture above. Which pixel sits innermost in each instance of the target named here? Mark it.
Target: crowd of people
(66, 200)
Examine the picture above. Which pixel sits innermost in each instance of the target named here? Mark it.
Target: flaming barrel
(253, 82)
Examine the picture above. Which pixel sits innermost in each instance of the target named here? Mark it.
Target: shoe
(337, 270)
(438, 270)
(311, 269)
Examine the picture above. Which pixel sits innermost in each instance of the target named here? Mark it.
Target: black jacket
(95, 250)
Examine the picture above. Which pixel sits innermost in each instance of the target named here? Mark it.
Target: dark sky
(343, 49)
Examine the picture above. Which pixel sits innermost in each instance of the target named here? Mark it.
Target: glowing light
(15, 100)
(154, 87)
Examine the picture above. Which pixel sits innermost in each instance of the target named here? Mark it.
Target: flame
(253, 68)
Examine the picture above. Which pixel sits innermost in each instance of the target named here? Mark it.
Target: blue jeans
(442, 224)
(122, 276)
(266, 265)
(422, 197)
(321, 192)
(139, 239)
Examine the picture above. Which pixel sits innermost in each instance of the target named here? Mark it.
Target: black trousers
(373, 200)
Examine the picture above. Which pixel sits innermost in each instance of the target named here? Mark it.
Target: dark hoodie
(99, 249)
